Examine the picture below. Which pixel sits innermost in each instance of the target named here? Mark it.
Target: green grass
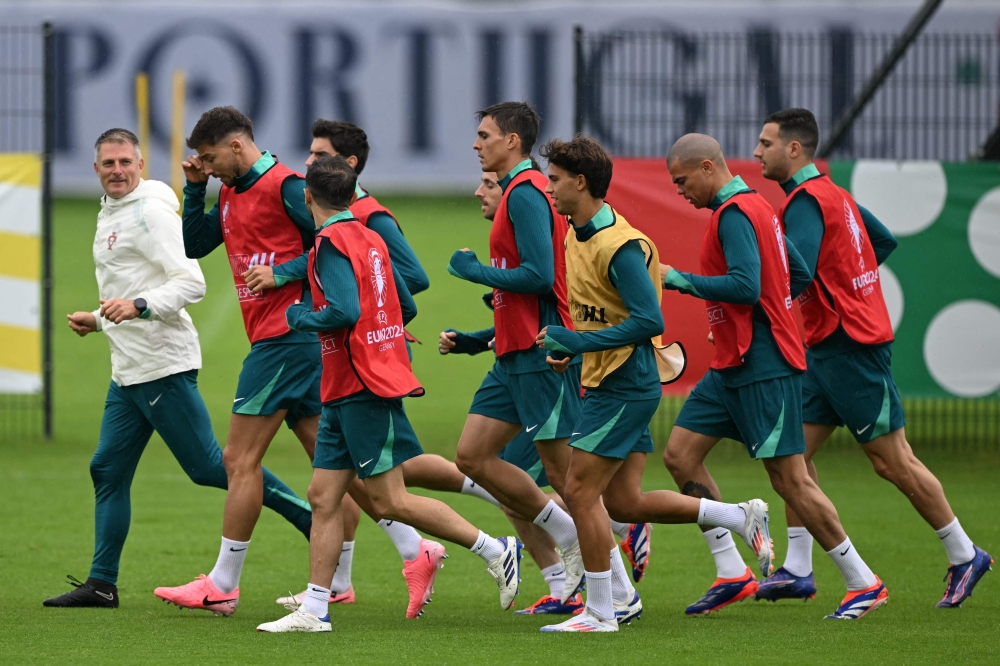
(46, 527)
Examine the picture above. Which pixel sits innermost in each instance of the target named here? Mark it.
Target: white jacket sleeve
(163, 246)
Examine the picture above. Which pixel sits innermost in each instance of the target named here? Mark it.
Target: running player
(849, 337)
(332, 137)
(145, 282)
(262, 219)
(527, 274)
(360, 305)
(612, 276)
(753, 390)
(520, 452)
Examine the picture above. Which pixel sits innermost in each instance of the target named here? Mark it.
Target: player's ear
(309, 198)
(581, 182)
(353, 162)
(513, 140)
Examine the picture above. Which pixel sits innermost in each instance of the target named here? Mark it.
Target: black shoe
(95, 593)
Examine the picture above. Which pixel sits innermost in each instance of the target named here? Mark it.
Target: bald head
(698, 168)
(692, 149)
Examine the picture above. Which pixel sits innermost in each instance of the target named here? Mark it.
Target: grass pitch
(46, 526)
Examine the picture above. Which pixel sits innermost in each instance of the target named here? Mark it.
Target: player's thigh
(860, 386)
(305, 429)
(493, 420)
(624, 490)
(248, 439)
(587, 477)
(328, 488)
(125, 431)
(279, 377)
(891, 453)
(523, 453)
(819, 417)
(769, 416)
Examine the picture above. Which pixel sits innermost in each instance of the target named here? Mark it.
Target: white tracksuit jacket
(139, 252)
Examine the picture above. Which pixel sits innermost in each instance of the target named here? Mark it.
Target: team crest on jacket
(111, 240)
(852, 225)
(379, 282)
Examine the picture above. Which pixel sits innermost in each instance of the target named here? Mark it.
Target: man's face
(222, 160)
(491, 144)
(693, 181)
(773, 154)
(320, 147)
(489, 194)
(118, 167)
(564, 188)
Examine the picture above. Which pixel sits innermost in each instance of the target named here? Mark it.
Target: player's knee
(389, 506)
(620, 508)
(237, 461)
(467, 464)
(677, 464)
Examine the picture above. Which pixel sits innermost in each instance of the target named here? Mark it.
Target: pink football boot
(201, 593)
(420, 573)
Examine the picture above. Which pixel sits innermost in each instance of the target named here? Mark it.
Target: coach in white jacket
(145, 281)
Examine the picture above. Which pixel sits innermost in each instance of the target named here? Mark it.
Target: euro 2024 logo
(378, 274)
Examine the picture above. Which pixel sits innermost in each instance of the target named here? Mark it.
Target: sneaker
(628, 611)
(783, 584)
(724, 591)
(420, 573)
(506, 570)
(335, 598)
(549, 605)
(582, 623)
(297, 621)
(95, 593)
(572, 561)
(756, 534)
(961, 578)
(637, 547)
(201, 594)
(858, 604)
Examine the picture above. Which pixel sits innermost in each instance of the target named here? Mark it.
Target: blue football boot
(637, 547)
(783, 584)
(724, 591)
(962, 578)
(549, 605)
(859, 603)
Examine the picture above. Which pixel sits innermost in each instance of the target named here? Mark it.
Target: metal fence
(26, 122)
(637, 92)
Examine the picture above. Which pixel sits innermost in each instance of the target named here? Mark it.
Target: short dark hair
(797, 125)
(515, 118)
(585, 156)
(346, 138)
(118, 135)
(331, 181)
(218, 123)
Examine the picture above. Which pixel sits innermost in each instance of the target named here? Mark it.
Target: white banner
(411, 75)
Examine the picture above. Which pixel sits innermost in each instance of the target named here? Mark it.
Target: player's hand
(540, 338)
(446, 341)
(82, 323)
(558, 366)
(711, 337)
(493, 343)
(260, 277)
(193, 171)
(664, 269)
(118, 310)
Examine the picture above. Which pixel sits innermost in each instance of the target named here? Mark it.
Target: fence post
(578, 80)
(48, 148)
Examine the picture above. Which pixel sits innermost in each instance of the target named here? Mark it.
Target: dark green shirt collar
(258, 169)
(521, 166)
(808, 172)
(339, 217)
(732, 188)
(604, 218)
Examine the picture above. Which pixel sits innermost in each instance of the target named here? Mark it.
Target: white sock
(956, 543)
(469, 487)
(599, 595)
(622, 591)
(487, 547)
(728, 561)
(404, 538)
(856, 573)
(620, 529)
(317, 601)
(555, 578)
(342, 577)
(720, 514)
(558, 524)
(229, 566)
(799, 560)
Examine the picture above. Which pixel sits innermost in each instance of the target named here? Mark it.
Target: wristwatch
(140, 305)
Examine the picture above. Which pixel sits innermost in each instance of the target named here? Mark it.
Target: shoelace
(292, 606)
(74, 581)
